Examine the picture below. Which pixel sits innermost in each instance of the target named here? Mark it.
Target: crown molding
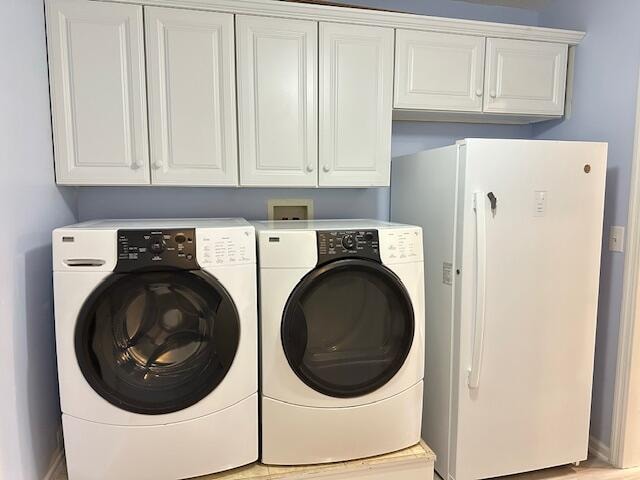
(328, 13)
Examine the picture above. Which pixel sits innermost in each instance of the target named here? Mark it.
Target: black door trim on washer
(294, 332)
(217, 341)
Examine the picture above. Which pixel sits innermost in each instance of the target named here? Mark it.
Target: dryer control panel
(168, 249)
(336, 244)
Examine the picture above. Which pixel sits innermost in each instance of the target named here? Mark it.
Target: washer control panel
(168, 249)
(336, 244)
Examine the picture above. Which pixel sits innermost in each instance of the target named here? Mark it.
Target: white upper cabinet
(191, 89)
(277, 101)
(284, 95)
(525, 77)
(356, 96)
(439, 71)
(96, 58)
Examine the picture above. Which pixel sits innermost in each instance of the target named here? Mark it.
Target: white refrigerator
(512, 239)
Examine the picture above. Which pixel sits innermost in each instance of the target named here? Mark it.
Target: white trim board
(328, 13)
(625, 437)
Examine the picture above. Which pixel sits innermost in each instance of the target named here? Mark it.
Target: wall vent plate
(290, 209)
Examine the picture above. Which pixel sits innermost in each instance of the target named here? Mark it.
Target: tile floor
(592, 469)
(270, 472)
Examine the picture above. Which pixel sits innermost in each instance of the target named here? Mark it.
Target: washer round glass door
(157, 342)
(347, 327)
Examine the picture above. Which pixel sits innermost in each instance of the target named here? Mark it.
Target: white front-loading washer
(156, 332)
(342, 339)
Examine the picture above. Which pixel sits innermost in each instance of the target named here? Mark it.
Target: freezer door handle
(480, 209)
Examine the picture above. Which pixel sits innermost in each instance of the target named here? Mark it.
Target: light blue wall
(604, 106)
(453, 9)
(251, 203)
(30, 207)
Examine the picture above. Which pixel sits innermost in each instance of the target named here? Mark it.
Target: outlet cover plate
(290, 209)
(616, 239)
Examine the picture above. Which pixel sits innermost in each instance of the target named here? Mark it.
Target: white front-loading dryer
(342, 339)
(156, 332)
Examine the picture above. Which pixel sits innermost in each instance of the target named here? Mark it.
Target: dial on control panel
(157, 244)
(349, 242)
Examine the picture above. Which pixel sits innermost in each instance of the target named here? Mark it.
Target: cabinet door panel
(356, 90)
(96, 64)
(191, 71)
(439, 71)
(277, 101)
(525, 77)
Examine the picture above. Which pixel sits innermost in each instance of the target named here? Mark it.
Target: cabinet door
(356, 101)
(277, 101)
(192, 110)
(96, 65)
(525, 77)
(439, 71)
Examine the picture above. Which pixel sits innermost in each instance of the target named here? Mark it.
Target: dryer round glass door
(157, 342)
(347, 327)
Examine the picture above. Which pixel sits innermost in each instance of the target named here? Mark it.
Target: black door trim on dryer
(294, 329)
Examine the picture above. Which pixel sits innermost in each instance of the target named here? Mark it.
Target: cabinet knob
(309, 168)
(492, 94)
(135, 166)
(326, 169)
(157, 165)
(479, 92)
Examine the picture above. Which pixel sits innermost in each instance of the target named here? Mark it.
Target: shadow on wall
(69, 196)
(37, 332)
(608, 305)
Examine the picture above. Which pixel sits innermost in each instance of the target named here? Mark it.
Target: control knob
(349, 242)
(157, 244)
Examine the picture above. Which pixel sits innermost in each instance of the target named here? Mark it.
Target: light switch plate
(540, 203)
(616, 239)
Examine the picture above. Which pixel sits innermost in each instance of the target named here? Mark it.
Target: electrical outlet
(290, 209)
(616, 239)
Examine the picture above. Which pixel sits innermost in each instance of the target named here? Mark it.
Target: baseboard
(57, 460)
(599, 450)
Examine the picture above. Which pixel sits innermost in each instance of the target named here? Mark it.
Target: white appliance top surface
(521, 140)
(161, 223)
(325, 224)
